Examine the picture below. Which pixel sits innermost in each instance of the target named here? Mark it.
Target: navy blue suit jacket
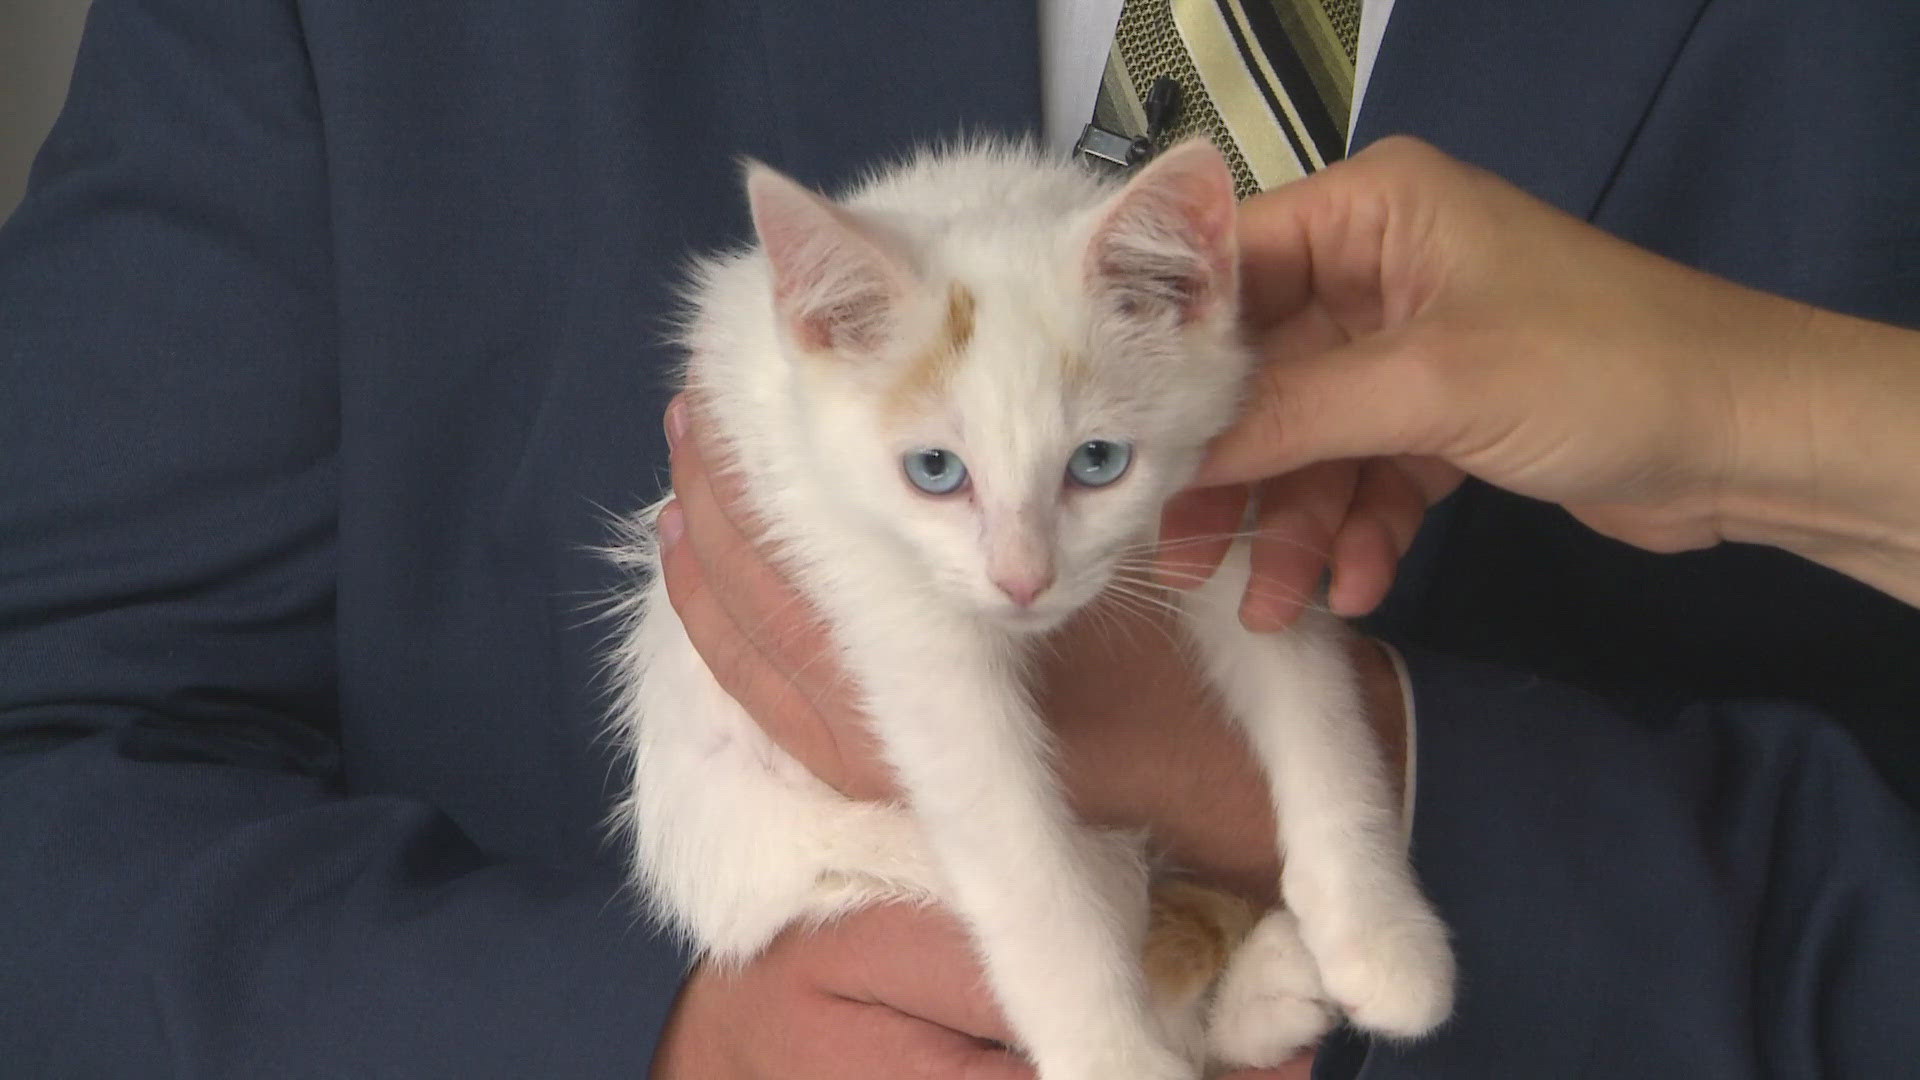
(328, 330)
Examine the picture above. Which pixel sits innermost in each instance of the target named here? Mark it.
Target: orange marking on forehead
(929, 369)
(959, 328)
(1076, 368)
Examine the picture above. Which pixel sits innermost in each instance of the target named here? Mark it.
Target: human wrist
(1824, 464)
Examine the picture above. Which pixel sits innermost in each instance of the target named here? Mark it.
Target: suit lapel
(1547, 93)
(857, 81)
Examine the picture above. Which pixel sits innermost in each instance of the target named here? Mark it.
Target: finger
(888, 991)
(856, 1041)
(1434, 478)
(1388, 494)
(916, 959)
(708, 496)
(1300, 514)
(778, 1026)
(1380, 525)
(1275, 236)
(1376, 396)
(1389, 506)
(1319, 247)
(757, 600)
(1196, 528)
(736, 663)
(1365, 558)
(695, 456)
(758, 637)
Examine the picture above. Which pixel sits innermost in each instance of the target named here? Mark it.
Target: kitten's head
(1007, 367)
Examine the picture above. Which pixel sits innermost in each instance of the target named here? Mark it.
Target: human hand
(879, 994)
(1141, 743)
(1420, 320)
(886, 991)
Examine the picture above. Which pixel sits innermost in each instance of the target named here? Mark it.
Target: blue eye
(936, 472)
(1097, 462)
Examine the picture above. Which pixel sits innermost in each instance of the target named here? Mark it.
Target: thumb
(1376, 396)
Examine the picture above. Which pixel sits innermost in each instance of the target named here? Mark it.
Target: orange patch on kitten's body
(1192, 932)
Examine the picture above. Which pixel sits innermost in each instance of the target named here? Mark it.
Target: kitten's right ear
(1167, 239)
(835, 286)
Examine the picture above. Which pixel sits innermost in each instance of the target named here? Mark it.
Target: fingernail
(676, 421)
(670, 525)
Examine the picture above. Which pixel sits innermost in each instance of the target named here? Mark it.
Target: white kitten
(957, 400)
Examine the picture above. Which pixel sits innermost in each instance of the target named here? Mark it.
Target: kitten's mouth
(1041, 614)
(1038, 618)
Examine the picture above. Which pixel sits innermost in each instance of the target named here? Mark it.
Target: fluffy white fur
(1096, 311)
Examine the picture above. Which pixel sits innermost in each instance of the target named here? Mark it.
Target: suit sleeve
(1717, 890)
(184, 890)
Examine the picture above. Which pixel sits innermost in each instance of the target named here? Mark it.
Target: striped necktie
(1269, 81)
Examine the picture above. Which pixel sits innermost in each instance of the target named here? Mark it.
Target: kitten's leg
(1269, 1005)
(1383, 953)
(1058, 912)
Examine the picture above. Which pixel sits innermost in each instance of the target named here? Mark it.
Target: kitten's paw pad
(1395, 980)
(1269, 1003)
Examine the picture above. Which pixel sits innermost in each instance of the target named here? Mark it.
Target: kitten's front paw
(1269, 1004)
(1395, 978)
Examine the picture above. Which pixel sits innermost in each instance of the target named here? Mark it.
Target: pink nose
(1022, 589)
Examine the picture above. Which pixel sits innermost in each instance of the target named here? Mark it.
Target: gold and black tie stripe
(1269, 81)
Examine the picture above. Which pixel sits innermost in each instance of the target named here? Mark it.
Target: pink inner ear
(834, 284)
(1167, 237)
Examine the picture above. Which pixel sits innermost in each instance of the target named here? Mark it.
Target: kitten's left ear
(1168, 236)
(836, 283)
